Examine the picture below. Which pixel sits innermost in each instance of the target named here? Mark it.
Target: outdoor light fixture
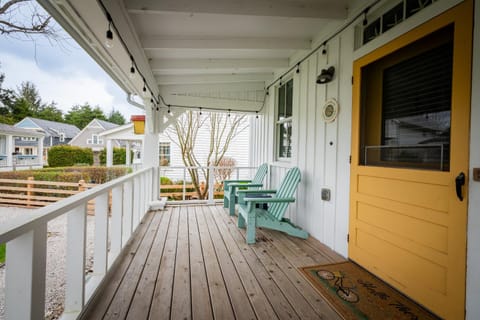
(365, 21)
(109, 35)
(145, 94)
(326, 75)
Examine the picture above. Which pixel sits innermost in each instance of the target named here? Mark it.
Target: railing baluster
(75, 260)
(136, 198)
(101, 235)
(128, 210)
(184, 182)
(117, 219)
(25, 274)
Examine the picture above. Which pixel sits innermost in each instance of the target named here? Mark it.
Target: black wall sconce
(326, 75)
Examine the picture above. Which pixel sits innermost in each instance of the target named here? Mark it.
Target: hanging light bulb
(298, 68)
(169, 111)
(144, 89)
(324, 50)
(200, 111)
(365, 21)
(132, 68)
(256, 117)
(229, 112)
(109, 33)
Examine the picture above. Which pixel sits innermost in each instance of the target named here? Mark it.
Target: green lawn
(2, 253)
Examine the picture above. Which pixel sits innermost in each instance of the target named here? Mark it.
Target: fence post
(29, 192)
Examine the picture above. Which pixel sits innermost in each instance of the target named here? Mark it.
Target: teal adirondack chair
(230, 188)
(272, 218)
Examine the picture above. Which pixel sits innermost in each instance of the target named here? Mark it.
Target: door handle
(459, 183)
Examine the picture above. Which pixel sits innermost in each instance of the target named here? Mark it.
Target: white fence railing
(26, 239)
(212, 176)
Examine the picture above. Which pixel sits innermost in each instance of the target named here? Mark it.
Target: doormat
(357, 294)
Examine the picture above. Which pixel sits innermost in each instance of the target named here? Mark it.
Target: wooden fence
(177, 191)
(35, 194)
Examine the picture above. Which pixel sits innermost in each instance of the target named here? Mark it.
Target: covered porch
(192, 261)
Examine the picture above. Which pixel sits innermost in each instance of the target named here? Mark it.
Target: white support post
(117, 218)
(211, 185)
(75, 269)
(109, 153)
(128, 160)
(127, 211)
(10, 150)
(150, 152)
(101, 235)
(25, 275)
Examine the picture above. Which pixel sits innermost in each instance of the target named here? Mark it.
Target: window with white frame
(94, 140)
(62, 137)
(28, 139)
(164, 153)
(284, 120)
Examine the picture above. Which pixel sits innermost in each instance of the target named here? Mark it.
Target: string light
(132, 68)
(256, 117)
(229, 112)
(200, 110)
(365, 21)
(324, 50)
(169, 111)
(281, 81)
(144, 89)
(298, 68)
(158, 109)
(109, 33)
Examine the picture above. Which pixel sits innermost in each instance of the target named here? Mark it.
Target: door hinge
(348, 237)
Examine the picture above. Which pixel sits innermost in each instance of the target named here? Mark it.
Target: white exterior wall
(239, 150)
(327, 165)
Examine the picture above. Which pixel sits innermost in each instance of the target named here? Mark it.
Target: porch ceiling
(178, 42)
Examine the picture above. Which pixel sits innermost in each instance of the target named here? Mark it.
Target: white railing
(26, 239)
(27, 160)
(215, 178)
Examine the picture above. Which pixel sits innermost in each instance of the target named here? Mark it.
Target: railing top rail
(204, 167)
(29, 221)
(46, 183)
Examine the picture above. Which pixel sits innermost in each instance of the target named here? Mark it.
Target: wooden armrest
(248, 192)
(245, 185)
(269, 200)
(236, 181)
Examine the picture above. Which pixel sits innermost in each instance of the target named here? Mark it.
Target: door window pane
(407, 122)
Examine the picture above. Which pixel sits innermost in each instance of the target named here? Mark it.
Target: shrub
(165, 180)
(64, 156)
(2, 252)
(119, 156)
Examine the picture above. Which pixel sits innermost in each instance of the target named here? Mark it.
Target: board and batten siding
(321, 150)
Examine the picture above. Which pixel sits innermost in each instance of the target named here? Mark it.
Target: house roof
(107, 125)
(11, 130)
(53, 128)
(124, 133)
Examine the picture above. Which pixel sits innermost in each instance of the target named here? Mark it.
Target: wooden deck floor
(192, 262)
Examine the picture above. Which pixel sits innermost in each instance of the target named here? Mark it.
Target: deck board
(192, 262)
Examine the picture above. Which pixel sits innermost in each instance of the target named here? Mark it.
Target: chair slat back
(260, 175)
(287, 189)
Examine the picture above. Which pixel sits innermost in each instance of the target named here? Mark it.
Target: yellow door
(410, 137)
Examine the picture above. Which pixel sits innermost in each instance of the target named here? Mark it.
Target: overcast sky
(62, 73)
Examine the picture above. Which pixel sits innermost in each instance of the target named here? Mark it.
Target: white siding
(239, 150)
(322, 150)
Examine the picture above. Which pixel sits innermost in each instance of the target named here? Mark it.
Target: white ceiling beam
(179, 64)
(152, 43)
(325, 9)
(213, 78)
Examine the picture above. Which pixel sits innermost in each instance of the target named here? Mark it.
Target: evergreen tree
(80, 116)
(116, 117)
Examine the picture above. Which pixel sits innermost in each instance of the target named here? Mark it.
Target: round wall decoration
(330, 110)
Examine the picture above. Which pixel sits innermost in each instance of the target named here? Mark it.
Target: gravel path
(56, 247)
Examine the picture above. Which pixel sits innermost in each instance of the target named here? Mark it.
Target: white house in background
(89, 137)
(56, 133)
(170, 157)
(9, 159)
